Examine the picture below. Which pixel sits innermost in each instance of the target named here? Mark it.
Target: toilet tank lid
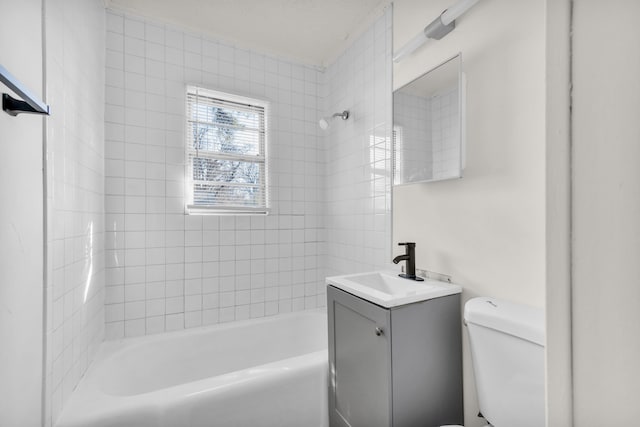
(515, 319)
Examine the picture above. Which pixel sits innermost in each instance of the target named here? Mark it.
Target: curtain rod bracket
(13, 106)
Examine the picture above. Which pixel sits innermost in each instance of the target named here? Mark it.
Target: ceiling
(313, 32)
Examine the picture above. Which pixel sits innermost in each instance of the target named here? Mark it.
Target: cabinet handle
(379, 331)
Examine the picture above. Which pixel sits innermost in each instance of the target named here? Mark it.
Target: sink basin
(386, 289)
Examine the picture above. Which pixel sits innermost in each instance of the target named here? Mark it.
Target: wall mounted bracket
(12, 106)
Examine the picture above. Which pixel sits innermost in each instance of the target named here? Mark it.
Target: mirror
(428, 126)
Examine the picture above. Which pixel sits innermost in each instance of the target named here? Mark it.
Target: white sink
(386, 289)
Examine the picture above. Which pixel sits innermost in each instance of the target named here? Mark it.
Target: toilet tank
(507, 348)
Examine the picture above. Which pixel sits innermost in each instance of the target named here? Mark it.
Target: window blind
(225, 153)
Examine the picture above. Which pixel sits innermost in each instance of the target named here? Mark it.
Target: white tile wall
(75, 195)
(168, 271)
(358, 171)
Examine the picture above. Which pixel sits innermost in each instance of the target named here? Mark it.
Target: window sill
(200, 210)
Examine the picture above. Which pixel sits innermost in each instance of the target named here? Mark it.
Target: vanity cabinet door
(359, 362)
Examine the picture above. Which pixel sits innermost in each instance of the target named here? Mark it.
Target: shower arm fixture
(324, 122)
(344, 115)
(437, 29)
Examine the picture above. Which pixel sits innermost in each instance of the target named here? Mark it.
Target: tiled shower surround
(75, 285)
(329, 192)
(167, 270)
(358, 165)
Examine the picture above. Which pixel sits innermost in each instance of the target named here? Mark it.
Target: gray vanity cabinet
(399, 366)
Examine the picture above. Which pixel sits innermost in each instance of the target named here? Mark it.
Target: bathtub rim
(109, 348)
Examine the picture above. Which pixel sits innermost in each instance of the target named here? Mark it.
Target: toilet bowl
(507, 341)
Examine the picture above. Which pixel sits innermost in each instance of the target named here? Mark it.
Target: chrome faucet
(410, 257)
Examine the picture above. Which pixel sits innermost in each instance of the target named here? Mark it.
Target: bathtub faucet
(410, 257)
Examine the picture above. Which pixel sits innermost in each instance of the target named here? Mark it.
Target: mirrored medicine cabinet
(428, 126)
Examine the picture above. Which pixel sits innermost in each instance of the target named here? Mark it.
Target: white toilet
(507, 348)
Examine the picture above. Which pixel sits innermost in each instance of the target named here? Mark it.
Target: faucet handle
(410, 244)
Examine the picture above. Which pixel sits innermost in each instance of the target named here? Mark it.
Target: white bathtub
(259, 373)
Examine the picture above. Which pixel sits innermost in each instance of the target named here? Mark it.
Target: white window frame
(212, 209)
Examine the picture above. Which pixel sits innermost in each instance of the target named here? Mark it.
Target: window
(226, 138)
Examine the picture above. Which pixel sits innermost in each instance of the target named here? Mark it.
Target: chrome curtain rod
(12, 106)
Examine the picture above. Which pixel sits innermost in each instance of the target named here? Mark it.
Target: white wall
(606, 212)
(75, 41)
(558, 215)
(168, 271)
(487, 230)
(358, 157)
(21, 223)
